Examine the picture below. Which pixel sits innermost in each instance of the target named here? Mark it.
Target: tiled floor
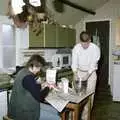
(104, 108)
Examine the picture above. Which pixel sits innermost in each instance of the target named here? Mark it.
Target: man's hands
(85, 78)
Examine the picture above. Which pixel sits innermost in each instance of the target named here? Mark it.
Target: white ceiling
(3, 7)
(71, 16)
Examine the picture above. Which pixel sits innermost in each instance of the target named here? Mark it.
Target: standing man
(85, 56)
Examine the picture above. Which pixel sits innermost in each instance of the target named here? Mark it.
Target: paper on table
(59, 100)
(73, 97)
(56, 102)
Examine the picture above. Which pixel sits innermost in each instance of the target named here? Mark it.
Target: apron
(91, 82)
(91, 85)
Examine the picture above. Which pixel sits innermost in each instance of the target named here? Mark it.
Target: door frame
(110, 45)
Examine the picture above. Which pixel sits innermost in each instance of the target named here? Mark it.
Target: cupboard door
(50, 35)
(36, 40)
(62, 37)
(71, 37)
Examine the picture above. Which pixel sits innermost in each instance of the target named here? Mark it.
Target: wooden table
(70, 104)
(75, 109)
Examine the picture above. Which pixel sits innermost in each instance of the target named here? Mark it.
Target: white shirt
(85, 59)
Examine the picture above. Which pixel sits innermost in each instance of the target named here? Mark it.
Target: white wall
(3, 104)
(3, 20)
(8, 46)
(109, 11)
(22, 42)
(21, 37)
(3, 7)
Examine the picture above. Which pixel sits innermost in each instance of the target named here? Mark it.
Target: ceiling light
(17, 6)
(35, 3)
(23, 12)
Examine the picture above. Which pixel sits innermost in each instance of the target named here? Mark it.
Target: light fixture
(27, 11)
(17, 6)
(35, 3)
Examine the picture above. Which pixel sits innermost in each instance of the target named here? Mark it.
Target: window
(8, 47)
(65, 60)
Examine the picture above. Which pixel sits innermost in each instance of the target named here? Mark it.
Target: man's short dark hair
(85, 36)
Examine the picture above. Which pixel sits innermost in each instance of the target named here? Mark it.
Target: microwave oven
(61, 60)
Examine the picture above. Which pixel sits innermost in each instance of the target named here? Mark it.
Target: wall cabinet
(61, 40)
(36, 40)
(71, 37)
(52, 36)
(49, 35)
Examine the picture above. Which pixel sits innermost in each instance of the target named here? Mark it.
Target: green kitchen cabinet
(46, 37)
(52, 36)
(36, 40)
(71, 37)
(66, 37)
(62, 37)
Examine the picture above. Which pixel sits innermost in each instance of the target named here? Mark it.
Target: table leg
(63, 116)
(89, 107)
(75, 114)
(76, 109)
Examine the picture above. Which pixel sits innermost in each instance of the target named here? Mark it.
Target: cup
(77, 83)
(60, 85)
(77, 86)
(65, 83)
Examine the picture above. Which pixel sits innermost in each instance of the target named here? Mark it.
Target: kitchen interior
(54, 37)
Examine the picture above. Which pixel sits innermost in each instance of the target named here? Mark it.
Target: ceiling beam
(78, 7)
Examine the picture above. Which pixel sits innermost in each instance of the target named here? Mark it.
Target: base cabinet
(116, 82)
(3, 104)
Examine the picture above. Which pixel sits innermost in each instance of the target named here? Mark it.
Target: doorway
(100, 31)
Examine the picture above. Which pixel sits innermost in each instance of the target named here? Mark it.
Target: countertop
(5, 81)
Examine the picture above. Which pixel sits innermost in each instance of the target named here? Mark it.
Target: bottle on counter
(58, 62)
(77, 83)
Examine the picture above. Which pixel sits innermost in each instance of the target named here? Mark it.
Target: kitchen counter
(5, 81)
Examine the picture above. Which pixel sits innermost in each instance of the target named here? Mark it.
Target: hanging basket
(18, 23)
